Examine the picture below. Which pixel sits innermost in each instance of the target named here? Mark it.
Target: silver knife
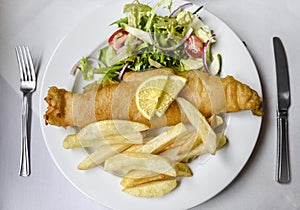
(284, 101)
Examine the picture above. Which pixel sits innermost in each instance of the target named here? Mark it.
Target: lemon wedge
(148, 94)
(172, 88)
(155, 95)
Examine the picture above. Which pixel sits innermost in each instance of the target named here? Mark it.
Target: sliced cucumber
(216, 65)
(208, 52)
(191, 63)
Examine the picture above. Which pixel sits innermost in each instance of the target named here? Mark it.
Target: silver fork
(27, 86)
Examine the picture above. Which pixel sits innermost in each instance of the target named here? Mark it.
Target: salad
(145, 40)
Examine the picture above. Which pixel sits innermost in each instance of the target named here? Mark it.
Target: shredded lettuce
(201, 30)
(138, 13)
(120, 21)
(106, 54)
(153, 13)
(184, 17)
(86, 69)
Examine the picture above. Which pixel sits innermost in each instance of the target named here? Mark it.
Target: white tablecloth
(42, 24)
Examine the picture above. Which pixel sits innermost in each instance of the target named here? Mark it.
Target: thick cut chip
(110, 127)
(100, 155)
(181, 147)
(113, 127)
(121, 164)
(199, 122)
(134, 148)
(107, 132)
(152, 189)
(186, 141)
(201, 149)
(215, 121)
(183, 169)
(71, 141)
(222, 140)
(172, 88)
(148, 94)
(137, 177)
(157, 144)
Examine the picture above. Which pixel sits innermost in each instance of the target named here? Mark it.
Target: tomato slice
(193, 46)
(117, 39)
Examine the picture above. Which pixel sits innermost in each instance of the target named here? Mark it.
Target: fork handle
(25, 158)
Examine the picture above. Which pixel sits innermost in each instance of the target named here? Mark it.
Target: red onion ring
(74, 68)
(176, 11)
(122, 71)
(204, 56)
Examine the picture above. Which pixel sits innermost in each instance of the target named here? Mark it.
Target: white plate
(209, 177)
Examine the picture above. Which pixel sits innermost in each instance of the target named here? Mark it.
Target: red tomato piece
(193, 46)
(117, 39)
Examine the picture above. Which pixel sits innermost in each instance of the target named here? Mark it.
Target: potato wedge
(222, 140)
(179, 140)
(134, 148)
(121, 164)
(215, 121)
(111, 127)
(182, 146)
(172, 154)
(182, 169)
(106, 132)
(184, 140)
(188, 142)
(103, 129)
(100, 155)
(199, 122)
(137, 177)
(152, 189)
(201, 149)
(72, 141)
(157, 144)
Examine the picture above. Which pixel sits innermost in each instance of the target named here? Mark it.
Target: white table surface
(42, 24)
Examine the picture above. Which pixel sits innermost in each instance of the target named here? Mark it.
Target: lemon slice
(148, 94)
(171, 89)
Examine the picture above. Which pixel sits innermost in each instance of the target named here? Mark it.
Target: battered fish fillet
(210, 94)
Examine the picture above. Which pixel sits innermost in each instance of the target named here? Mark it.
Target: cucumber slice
(208, 52)
(191, 63)
(216, 65)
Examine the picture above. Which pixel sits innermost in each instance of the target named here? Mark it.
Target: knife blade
(284, 101)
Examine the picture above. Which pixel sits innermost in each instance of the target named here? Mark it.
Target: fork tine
(27, 69)
(20, 62)
(25, 77)
(31, 66)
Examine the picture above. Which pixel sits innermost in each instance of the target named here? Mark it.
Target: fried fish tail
(209, 94)
(241, 97)
(212, 94)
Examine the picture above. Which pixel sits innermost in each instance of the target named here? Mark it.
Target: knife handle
(282, 162)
